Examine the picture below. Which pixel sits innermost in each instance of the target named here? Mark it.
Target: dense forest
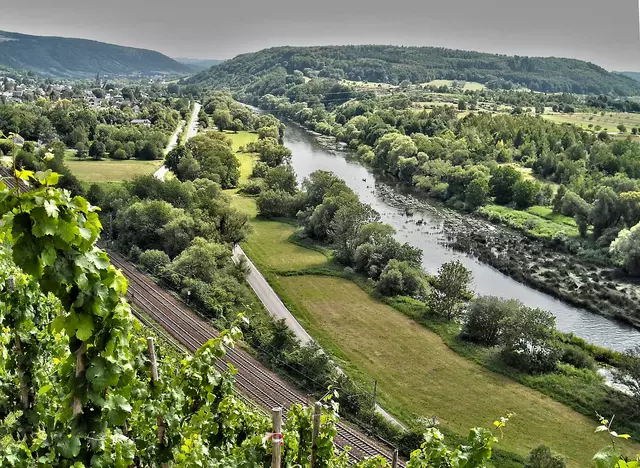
(393, 64)
(67, 57)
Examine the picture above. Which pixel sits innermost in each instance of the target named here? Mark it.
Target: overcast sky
(602, 31)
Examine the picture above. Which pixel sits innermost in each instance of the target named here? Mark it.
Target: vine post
(155, 378)
(80, 367)
(394, 459)
(317, 413)
(276, 437)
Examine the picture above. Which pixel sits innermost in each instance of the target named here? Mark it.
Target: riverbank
(529, 261)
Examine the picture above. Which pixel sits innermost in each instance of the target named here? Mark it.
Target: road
(192, 130)
(270, 299)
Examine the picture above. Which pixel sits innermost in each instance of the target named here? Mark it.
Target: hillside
(67, 57)
(393, 64)
(632, 75)
(198, 64)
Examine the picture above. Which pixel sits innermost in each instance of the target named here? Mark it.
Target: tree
(526, 338)
(557, 199)
(622, 128)
(486, 317)
(626, 249)
(119, 154)
(281, 178)
(477, 193)
(462, 105)
(81, 150)
(97, 150)
(502, 183)
(525, 193)
(451, 287)
(606, 211)
(345, 225)
(630, 207)
(222, 119)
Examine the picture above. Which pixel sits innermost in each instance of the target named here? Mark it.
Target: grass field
(246, 160)
(609, 121)
(419, 375)
(538, 221)
(269, 245)
(468, 85)
(110, 170)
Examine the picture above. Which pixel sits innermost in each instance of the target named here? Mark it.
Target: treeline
(392, 64)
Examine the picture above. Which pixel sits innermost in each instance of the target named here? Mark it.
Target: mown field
(246, 160)
(417, 373)
(608, 122)
(468, 85)
(110, 170)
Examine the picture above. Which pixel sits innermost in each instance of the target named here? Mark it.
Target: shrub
(120, 154)
(486, 317)
(541, 457)
(577, 357)
(253, 187)
(154, 260)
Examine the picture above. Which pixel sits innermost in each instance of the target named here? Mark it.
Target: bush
(536, 359)
(541, 457)
(577, 357)
(485, 319)
(154, 260)
(253, 187)
(120, 154)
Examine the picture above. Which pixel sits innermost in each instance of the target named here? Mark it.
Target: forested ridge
(394, 64)
(70, 57)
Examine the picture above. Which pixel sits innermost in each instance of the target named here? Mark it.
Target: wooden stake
(155, 378)
(77, 404)
(277, 437)
(24, 388)
(152, 358)
(317, 414)
(394, 459)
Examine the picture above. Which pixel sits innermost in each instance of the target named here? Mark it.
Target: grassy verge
(423, 370)
(110, 170)
(537, 221)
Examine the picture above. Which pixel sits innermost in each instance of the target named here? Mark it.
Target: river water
(430, 236)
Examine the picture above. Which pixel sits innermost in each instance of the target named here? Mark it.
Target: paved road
(270, 299)
(192, 130)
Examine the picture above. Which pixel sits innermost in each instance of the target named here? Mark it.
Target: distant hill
(633, 75)
(198, 64)
(394, 64)
(66, 57)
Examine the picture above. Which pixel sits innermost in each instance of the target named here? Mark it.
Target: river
(426, 229)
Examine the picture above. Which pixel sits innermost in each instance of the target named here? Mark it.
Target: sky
(605, 32)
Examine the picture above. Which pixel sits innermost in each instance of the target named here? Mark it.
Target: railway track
(253, 380)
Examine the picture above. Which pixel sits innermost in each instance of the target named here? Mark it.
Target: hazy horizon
(579, 29)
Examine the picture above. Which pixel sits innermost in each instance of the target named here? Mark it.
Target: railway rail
(256, 382)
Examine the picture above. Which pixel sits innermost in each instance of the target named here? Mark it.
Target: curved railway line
(254, 381)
